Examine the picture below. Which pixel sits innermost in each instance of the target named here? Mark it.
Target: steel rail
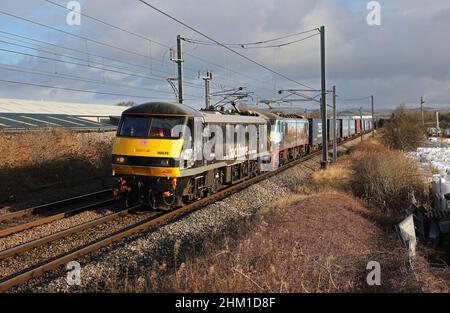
(34, 210)
(14, 280)
(54, 217)
(63, 233)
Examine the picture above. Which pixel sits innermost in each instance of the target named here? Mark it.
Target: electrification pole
(437, 120)
(207, 80)
(334, 126)
(323, 101)
(373, 119)
(361, 121)
(179, 61)
(421, 110)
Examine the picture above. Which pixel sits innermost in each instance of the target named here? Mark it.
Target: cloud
(398, 61)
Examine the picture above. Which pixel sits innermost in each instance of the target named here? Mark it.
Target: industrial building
(20, 114)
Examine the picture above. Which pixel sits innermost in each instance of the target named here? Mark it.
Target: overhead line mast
(323, 100)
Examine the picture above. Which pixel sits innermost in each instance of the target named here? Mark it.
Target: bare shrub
(387, 179)
(404, 130)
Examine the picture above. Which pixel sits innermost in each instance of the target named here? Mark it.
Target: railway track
(14, 222)
(154, 220)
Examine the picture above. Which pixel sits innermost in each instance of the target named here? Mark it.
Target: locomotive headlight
(120, 159)
(165, 162)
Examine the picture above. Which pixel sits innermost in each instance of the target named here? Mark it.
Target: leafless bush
(404, 130)
(387, 179)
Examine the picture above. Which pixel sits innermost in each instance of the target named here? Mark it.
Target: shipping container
(352, 127)
(345, 127)
(315, 131)
(331, 130)
(358, 126)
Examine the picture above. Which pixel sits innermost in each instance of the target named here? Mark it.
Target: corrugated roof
(53, 107)
(25, 121)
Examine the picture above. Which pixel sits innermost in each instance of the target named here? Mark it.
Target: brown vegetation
(385, 178)
(404, 130)
(319, 244)
(34, 159)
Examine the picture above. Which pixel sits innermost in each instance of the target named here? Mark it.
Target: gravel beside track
(54, 193)
(136, 256)
(50, 228)
(22, 261)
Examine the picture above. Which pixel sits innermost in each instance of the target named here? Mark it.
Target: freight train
(169, 154)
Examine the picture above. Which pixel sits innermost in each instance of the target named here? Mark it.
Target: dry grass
(317, 244)
(336, 177)
(431, 270)
(34, 159)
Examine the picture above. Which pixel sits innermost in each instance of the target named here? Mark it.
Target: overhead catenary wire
(164, 45)
(125, 50)
(111, 25)
(77, 36)
(77, 90)
(188, 83)
(12, 35)
(89, 61)
(263, 41)
(168, 47)
(83, 79)
(356, 99)
(227, 69)
(80, 64)
(102, 68)
(244, 46)
(222, 45)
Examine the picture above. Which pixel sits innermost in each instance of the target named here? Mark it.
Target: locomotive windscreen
(149, 126)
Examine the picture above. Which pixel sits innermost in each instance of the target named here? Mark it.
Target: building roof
(53, 107)
(29, 121)
(20, 114)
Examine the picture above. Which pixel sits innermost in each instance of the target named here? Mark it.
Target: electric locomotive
(163, 154)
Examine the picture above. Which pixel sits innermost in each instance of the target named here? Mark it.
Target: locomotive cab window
(149, 126)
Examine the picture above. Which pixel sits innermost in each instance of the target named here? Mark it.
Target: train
(166, 155)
